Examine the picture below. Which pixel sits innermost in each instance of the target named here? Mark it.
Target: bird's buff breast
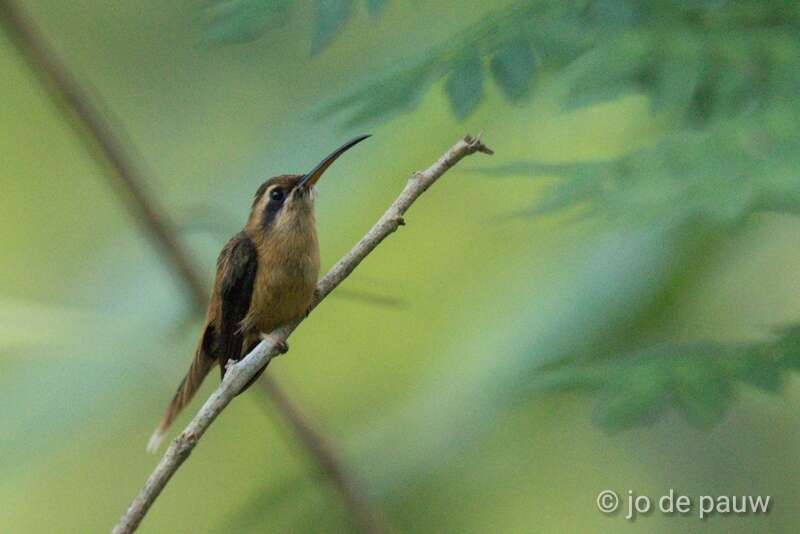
(284, 284)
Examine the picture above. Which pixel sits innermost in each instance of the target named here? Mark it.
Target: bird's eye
(276, 194)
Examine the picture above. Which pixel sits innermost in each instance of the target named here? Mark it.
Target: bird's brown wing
(236, 274)
(221, 338)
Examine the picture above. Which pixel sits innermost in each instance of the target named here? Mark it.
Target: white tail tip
(155, 441)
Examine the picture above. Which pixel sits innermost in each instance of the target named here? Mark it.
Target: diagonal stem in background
(241, 372)
(365, 517)
(95, 130)
(88, 119)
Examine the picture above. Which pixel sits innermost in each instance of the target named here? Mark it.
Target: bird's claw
(280, 344)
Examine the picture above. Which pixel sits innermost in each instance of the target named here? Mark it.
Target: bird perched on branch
(266, 275)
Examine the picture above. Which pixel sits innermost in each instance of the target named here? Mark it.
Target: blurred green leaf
(241, 21)
(611, 13)
(464, 86)
(763, 372)
(550, 26)
(622, 409)
(374, 7)
(329, 17)
(676, 77)
(635, 394)
(697, 379)
(394, 94)
(512, 67)
(788, 348)
(607, 72)
(702, 391)
(721, 175)
(759, 365)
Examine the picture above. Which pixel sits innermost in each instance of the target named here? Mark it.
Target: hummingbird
(266, 276)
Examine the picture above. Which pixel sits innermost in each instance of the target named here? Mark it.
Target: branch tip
(476, 145)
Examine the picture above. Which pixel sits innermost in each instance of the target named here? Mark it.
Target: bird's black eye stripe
(277, 196)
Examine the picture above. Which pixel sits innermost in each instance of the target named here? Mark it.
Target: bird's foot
(314, 299)
(280, 344)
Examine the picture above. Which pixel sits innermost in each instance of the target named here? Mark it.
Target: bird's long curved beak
(311, 178)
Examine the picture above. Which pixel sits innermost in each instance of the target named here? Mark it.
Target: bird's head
(288, 199)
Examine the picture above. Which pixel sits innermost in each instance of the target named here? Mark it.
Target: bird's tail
(201, 365)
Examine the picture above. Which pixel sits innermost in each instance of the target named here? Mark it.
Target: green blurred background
(607, 303)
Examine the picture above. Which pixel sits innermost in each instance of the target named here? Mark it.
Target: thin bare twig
(104, 139)
(240, 373)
